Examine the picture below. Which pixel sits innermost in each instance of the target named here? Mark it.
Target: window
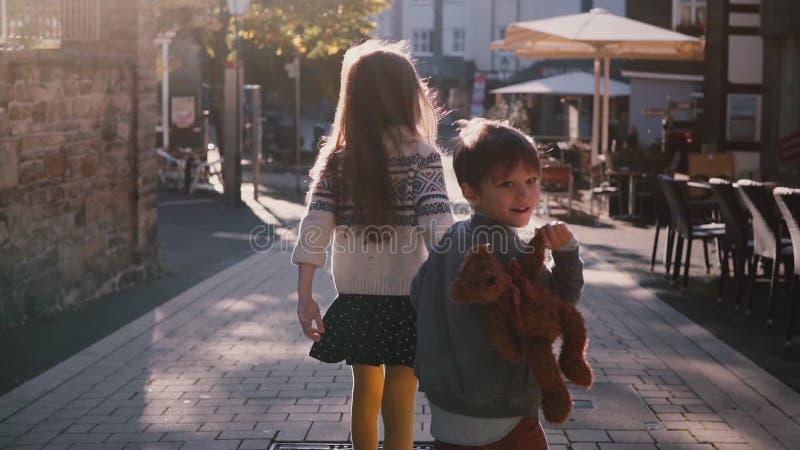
(421, 41)
(459, 40)
(500, 32)
(689, 16)
(744, 117)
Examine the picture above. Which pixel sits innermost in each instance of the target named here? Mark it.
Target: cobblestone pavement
(223, 365)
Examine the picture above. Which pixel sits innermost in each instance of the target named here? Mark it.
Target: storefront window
(744, 117)
(790, 91)
(689, 16)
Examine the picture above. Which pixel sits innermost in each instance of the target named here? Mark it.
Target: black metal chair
(684, 228)
(738, 235)
(767, 242)
(661, 213)
(788, 201)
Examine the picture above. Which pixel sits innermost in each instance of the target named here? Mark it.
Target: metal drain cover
(331, 446)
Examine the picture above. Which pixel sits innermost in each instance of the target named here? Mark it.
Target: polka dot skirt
(368, 329)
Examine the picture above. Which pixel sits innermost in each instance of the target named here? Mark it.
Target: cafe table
(630, 176)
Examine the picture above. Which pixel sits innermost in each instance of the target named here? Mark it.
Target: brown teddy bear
(525, 318)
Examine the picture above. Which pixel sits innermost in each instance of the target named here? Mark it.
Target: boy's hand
(556, 234)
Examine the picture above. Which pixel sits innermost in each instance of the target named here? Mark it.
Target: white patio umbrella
(598, 35)
(573, 83)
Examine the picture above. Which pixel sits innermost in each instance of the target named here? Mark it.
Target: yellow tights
(393, 393)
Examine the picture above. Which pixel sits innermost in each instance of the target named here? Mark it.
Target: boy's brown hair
(484, 146)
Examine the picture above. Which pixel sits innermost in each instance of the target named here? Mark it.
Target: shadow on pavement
(198, 236)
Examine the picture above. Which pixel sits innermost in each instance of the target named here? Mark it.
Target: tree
(499, 111)
(519, 116)
(279, 28)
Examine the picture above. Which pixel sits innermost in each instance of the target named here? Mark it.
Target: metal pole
(297, 124)
(596, 113)
(236, 197)
(3, 19)
(606, 76)
(491, 33)
(165, 93)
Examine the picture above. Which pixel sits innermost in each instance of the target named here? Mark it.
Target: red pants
(527, 435)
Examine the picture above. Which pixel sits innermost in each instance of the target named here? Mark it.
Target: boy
(477, 399)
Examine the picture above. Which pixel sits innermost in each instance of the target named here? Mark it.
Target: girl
(378, 191)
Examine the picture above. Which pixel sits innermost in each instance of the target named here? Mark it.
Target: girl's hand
(556, 234)
(308, 313)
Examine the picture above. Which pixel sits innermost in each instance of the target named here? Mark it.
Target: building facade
(734, 70)
(655, 83)
(451, 38)
(77, 161)
(780, 125)
(752, 77)
(746, 88)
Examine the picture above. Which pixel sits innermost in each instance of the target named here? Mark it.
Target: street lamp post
(298, 187)
(164, 39)
(237, 8)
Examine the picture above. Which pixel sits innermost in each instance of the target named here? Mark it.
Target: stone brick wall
(77, 167)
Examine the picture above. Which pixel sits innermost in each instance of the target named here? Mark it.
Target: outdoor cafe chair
(788, 201)
(556, 184)
(738, 241)
(208, 175)
(683, 227)
(767, 242)
(171, 170)
(601, 187)
(661, 213)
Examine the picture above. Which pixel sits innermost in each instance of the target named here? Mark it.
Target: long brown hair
(382, 104)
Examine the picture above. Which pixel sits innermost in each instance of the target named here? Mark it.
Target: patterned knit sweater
(379, 266)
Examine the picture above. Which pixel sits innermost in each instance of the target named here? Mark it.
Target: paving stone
(189, 436)
(293, 409)
(630, 436)
(288, 431)
(685, 447)
(13, 430)
(587, 436)
(713, 436)
(255, 444)
(36, 438)
(192, 418)
(120, 428)
(329, 417)
(154, 446)
(212, 445)
(80, 438)
(683, 425)
(620, 446)
(146, 436)
(556, 437)
(726, 446)
(671, 437)
(337, 431)
(227, 426)
(583, 446)
(174, 427)
(261, 432)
